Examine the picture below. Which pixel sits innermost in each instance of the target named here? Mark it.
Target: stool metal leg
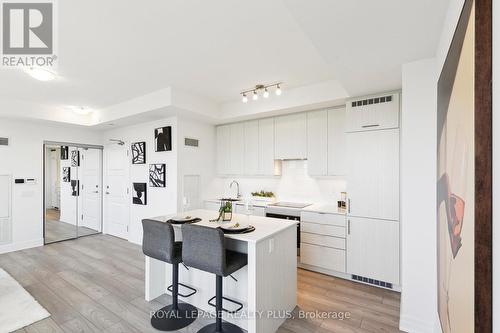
(219, 326)
(176, 315)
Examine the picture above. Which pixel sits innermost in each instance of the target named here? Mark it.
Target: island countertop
(265, 227)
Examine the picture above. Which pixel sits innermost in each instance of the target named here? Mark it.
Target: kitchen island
(266, 286)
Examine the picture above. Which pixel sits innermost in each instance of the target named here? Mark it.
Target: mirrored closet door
(72, 191)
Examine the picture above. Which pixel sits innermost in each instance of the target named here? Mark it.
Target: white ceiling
(112, 51)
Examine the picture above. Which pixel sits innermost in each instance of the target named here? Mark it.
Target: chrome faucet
(238, 194)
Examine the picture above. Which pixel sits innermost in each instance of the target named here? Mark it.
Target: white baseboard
(413, 325)
(21, 245)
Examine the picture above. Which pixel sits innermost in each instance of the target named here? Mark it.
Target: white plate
(182, 218)
(232, 226)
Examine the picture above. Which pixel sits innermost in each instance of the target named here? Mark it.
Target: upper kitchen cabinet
(337, 153)
(251, 166)
(317, 143)
(266, 147)
(237, 153)
(223, 148)
(373, 174)
(373, 113)
(291, 137)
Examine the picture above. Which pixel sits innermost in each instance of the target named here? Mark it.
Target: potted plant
(263, 196)
(226, 210)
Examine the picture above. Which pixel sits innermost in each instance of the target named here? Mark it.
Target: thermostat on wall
(30, 181)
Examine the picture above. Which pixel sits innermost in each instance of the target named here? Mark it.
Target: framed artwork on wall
(64, 152)
(75, 188)
(157, 175)
(139, 153)
(163, 138)
(464, 261)
(140, 194)
(66, 171)
(75, 158)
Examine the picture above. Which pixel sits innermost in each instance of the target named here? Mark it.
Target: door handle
(107, 192)
(96, 191)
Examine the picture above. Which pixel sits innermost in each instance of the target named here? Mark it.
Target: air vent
(4, 141)
(372, 281)
(191, 142)
(369, 101)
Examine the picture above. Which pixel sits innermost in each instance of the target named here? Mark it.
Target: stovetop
(285, 204)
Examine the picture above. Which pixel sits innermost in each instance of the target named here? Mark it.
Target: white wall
(195, 161)
(418, 197)
(24, 159)
(160, 201)
(293, 185)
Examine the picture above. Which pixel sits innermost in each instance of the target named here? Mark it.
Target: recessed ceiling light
(82, 110)
(41, 74)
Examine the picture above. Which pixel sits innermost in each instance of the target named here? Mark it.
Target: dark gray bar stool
(204, 249)
(159, 243)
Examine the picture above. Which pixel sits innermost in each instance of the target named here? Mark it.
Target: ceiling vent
(369, 101)
(4, 141)
(191, 142)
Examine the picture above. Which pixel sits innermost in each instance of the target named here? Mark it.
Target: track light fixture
(261, 88)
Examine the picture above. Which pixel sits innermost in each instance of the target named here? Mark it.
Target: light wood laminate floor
(96, 284)
(56, 230)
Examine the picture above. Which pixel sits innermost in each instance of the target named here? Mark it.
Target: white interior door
(117, 194)
(91, 188)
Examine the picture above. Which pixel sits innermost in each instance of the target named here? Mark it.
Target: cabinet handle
(349, 205)
(373, 125)
(348, 227)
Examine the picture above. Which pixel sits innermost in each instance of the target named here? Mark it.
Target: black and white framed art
(157, 175)
(75, 158)
(75, 188)
(66, 174)
(140, 194)
(163, 138)
(64, 152)
(139, 153)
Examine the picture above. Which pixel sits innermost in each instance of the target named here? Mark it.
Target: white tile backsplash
(293, 185)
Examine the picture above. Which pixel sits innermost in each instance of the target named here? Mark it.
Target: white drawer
(323, 257)
(323, 218)
(321, 229)
(313, 239)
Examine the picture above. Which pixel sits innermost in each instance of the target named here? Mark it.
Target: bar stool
(159, 243)
(205, 250)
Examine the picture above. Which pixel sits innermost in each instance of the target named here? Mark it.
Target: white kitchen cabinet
(373, 113)
(317, 143)
(337, 153)
(223, 149)
(237, 151)
(373, 249)
(291, 136)
(251, 148)
(323, 257)
(266, 147)
(256, 211)
(373, 174)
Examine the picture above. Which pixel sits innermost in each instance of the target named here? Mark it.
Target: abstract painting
(163, 138)
(64, 152)
(75, 158)
(66, 174)
(139, 153)
(456, 182)
(75, 188)
(140, 194)
(157, 175)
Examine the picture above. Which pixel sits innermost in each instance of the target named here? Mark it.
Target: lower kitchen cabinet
(323, 257)
(373, 249)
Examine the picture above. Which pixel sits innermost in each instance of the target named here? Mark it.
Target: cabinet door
(317, 143)
(373, 174)
(337, 153)
(236, 152)
(373, 249)
(251, 153)
(291, 141)
(266, 147)
(223, 149)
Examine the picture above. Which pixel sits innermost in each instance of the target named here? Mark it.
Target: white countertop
(324, 208)
(265, 227)
(256, 203)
